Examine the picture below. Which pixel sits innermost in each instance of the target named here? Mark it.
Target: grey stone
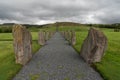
(41, 38)
(73, 38)
(22, 44)
(94, 46)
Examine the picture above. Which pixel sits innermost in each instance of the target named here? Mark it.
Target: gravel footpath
(57, 61)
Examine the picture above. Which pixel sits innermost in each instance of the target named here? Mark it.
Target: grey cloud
(83, 11)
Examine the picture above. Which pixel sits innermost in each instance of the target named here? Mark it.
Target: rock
(94, 46)
(46, 35)
(22, 44)
(41, 38)
(73, 38)
(51, 34)
(64, 34)
(68, 35)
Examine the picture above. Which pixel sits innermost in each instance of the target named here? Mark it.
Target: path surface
(57, 61)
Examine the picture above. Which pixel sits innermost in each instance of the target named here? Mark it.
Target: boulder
(94, 46)
(22, 44)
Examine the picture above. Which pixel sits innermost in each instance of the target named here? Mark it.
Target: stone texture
(68, 36)
(94, 46)
(46, 35)
(22, 44)
(73, 38)
(41, 38)
(64, 34)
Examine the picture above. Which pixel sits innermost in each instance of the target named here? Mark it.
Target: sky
(50, 11)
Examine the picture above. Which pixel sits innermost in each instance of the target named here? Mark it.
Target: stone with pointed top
(22, 44)
(94, 46)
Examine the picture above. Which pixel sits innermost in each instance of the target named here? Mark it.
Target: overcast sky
(48, 11)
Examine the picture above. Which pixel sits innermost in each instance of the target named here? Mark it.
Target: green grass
(8, 67)
(34, 76)
(109, 67)
(6, 37)
(74, 28)
(48, 29)
(66, 78)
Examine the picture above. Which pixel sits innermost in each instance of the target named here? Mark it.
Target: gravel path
(57, 61)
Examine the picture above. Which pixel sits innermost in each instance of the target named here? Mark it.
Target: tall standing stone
(68, 35)
(51, 34)
(41, 38)
(22, 44)
(46, 35)
(64, 34)
(94, 46)
(73, 38)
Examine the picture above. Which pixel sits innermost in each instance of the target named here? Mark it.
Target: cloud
(48, 11)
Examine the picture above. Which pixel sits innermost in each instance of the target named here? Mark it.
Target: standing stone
(73, 38)
(41, 38)
(64, 34)
(67, 35)
(94, 46)
(46, 35)
(22, 44)
(51, 34)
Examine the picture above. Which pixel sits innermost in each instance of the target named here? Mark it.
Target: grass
(66, 78)
(8, 67)
(34, 77)
(6, 37)
(109, 67)
(74, 28)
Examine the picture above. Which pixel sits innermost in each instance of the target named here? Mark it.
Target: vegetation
(8, 67)
(109, 67)
(5, 29)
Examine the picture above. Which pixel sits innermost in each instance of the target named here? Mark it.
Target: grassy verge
(8, 67)
(109, 67)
